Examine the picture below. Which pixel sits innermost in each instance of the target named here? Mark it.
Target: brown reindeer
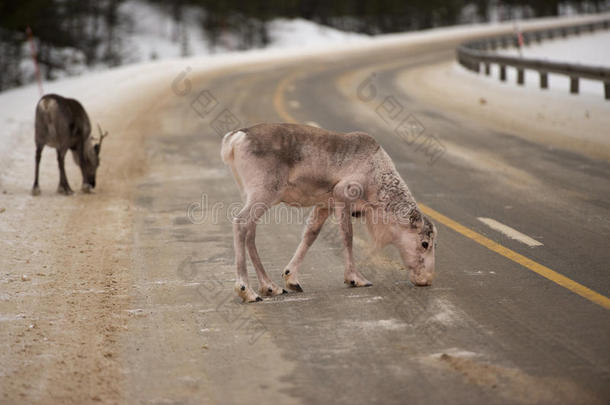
(345, 174)
(63, 124)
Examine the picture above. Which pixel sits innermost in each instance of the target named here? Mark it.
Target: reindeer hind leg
(244, 230)
(36, 187)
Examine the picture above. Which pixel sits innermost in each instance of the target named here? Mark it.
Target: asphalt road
(490, 330)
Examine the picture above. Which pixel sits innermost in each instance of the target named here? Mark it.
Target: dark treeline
(247, 19)
(86, 32)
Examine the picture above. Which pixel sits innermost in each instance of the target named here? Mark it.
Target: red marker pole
(517, 30)
(34, 59)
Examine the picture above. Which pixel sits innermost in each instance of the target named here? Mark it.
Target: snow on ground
(153, 34)
(587, 49)
(287, 33)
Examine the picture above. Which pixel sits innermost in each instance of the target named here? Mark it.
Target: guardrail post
(607, 90)
(503, 73)
(487, 69)
(520, 76)
(526, 39)
(564, 32)
(538, 37)
(544, 80)
(550, 34)
(574, 85)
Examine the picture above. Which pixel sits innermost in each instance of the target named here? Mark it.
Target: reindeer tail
(228, 143)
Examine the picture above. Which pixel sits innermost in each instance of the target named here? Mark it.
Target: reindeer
(345, 174)
(63, 124)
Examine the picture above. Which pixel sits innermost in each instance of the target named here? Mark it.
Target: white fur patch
(226, 152)
(235, 135)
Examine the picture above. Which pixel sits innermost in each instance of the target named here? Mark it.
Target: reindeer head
(91, 159)
(415, 240)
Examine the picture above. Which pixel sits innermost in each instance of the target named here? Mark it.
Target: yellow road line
(519, 258)
(549, 274)
(279, 103)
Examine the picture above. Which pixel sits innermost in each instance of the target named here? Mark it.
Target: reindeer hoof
(271, 290)
(358, 283)
(36, 191)
(246, 293)
(295, 287)
(87, 188)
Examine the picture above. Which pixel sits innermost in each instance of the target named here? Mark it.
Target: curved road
(490, 330)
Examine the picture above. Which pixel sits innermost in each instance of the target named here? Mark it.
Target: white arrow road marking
(510, 232)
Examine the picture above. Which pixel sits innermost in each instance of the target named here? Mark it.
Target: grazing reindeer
(348, 174)
(63, 124)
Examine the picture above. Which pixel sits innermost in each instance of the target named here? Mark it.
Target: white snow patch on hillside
(286, 33)
(153, 34)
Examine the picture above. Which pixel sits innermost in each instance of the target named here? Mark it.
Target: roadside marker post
(34, 59)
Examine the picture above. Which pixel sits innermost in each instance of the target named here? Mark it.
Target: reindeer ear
(96, 148)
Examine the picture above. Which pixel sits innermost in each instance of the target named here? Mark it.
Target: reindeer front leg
(352, 277)
(315, 221)
(64, 187)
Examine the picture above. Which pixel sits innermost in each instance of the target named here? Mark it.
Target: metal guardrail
(479, 52)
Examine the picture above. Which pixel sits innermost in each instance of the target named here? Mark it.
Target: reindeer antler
(102, 134)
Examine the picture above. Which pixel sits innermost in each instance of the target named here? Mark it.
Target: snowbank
(288, 33)
(154, 34)
(587, 49)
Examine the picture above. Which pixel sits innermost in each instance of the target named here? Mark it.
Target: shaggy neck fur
(391, 198)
